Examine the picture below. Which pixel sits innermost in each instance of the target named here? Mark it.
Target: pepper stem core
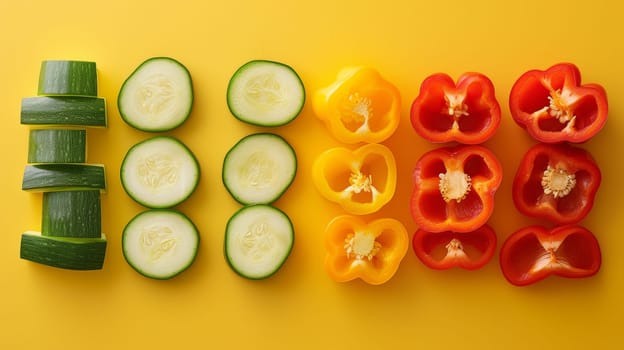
(454, 185)
(557, 182)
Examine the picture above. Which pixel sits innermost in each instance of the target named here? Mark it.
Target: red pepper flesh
(554, 107)
(454, 188)
(556, 182)
(534, 253)
(444, 250)
(466, 112)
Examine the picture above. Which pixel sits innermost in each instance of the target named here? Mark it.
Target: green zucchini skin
(60, 177)
(57, 146)
(62, 252)
(75, 78)
(72, 214)
(64, 110)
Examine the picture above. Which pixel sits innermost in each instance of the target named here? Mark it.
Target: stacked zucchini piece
(66, 104)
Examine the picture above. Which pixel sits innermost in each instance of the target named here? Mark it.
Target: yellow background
(301, 307)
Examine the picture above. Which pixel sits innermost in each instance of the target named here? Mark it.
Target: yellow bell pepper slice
(360, 106)
(361, 181)
(370, 251)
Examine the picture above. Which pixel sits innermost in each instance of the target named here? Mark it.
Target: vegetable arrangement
(360, 108)
(260, 168)
(555, 181)
(71, 234)
(160, 172)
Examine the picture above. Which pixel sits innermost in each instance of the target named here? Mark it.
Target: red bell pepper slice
(534, 253)
(444, 250)
(556, 182)
(454, 188)
(466, 112)
(553, 106)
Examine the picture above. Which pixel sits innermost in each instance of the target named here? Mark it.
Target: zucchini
(157, 96)
(265, 93)
(259, 168)
(57, 146)
(71, 214)
(258, 240)
(76, 78)
(62, 177)
(64, 110)
(64, 252)
(160, 172)
(160, 243)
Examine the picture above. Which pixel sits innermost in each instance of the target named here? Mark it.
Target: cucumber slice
(160, 243)
(63, 177)
(258, 240)
(259, 168)
(157, 96)
(72, 214)
(57, 146)
(77, 111)
(265, 93)
(64, 252)
(160, 172)
(77, 78)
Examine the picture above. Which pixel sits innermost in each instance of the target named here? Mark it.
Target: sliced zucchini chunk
(160, 172)
(63, 177)
(259, 168)
(157, 96)
(265, 93)
(57, 146)
(160, 243)
(63, 110)
(258, 240)
(68, 78)
(72, 214)
(64, 252)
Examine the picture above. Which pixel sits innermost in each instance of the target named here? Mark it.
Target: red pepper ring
(554, 107)
(556, 182)
(534, 253)
(444, 250)
(454, 188)
(466, 112)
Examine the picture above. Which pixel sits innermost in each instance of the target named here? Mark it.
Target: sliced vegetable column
(71, 234)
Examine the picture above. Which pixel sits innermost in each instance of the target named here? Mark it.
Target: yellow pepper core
(454, 185)
(361, 245)
(558, 182)
(359, 182)
(356, 113)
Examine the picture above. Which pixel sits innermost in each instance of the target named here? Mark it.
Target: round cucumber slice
(160, 172)
(157, 96)
(258, 240)
(160, 243)
(265, 93)
(259, 168)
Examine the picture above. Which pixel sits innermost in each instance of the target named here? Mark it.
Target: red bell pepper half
(553, 106)
(466, 112)
(534, 253)
(556, 183)
(444, 250)
(454, 188)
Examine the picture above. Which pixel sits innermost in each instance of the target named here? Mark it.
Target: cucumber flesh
(258, 240)
(57, 146)
(63, 177)
(68, 78)
(64, 110)
(64, 252)
(157, 96)
(72, 214)
(160, 172)
(265, 93)
(259, 168)
(160, 243)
